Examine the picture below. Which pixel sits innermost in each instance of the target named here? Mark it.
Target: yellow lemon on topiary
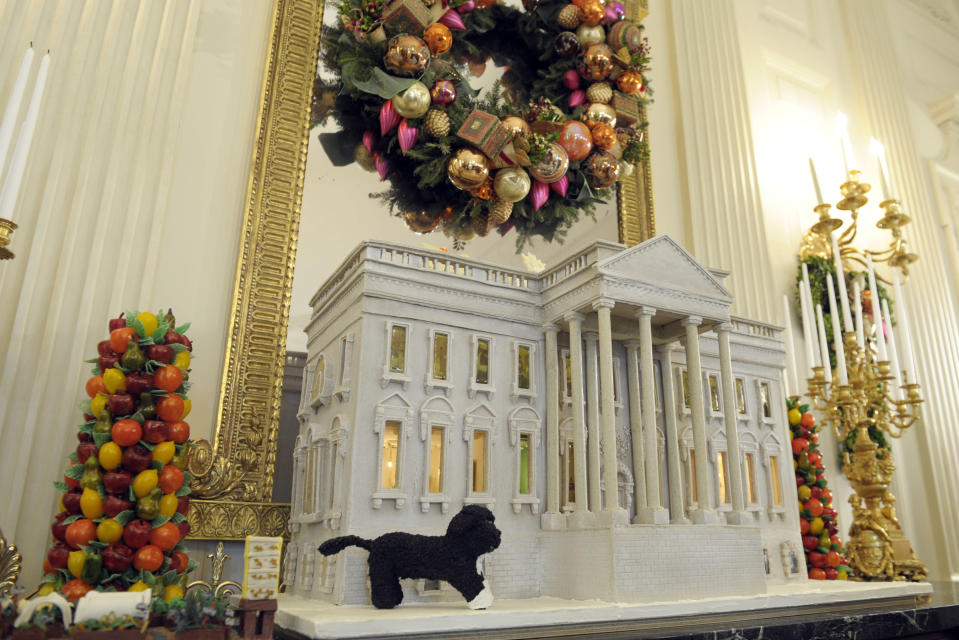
(149, 322)
(795, 416)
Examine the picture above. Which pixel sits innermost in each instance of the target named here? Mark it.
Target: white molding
(432, 383)
(475, 387)
(389, 375)
(517, 393)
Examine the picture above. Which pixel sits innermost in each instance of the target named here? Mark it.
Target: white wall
(133, 197)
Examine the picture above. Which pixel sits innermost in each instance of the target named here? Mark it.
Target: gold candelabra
(6, 229)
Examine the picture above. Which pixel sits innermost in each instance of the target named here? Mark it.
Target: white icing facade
(435, 381)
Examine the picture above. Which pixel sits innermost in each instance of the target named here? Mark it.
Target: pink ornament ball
(571, 79)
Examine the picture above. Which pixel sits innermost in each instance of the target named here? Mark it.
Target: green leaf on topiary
(74, 472)
(183, 328)
(159, 521)
(184, 489)
(61, 486)
(100, 439)
(124, 517)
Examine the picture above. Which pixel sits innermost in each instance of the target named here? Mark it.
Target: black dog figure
(453, 557)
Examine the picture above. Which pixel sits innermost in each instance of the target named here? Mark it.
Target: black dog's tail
(335, 545)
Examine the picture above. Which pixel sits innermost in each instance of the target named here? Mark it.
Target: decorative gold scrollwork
(10, 565)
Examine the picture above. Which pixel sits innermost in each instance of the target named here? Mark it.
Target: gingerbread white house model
(589, 407)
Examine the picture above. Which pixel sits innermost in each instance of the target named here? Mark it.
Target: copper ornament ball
(552, 166)
(604, 136)
(587, 35)
(592, 13)
(630, 82)
(515, 125)
(420, 222)
(599, 113)
(596, 62)
(438, 38)
(511, 184)
(467, 169)
(576, 139)
(601, 169)
(443, 92)
(406, 55)
(414, 102)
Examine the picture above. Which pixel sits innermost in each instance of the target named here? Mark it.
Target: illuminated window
(398, 349)
(723, 470)
(522, 367)
(479, 469)
(741, 396)
(524, 463)
(482, 361)
(343, 345)
(436, 459)
(714, 392)
(310, 478)
(777, 487)
(685, 388)
(764, 398)
(331, 482)
(751, 478)
(440, 355)
(568, 369)
(390, 456)
(570, 475)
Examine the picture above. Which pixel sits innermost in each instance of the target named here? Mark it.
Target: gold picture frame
(233, 484)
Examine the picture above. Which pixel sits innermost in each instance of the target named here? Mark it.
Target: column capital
(645, 311)
(666, 347)
(631, 345)
(549, 327)
(590, 336)
(573, 316)
(723, 327)
(692, 321)
(603, 303)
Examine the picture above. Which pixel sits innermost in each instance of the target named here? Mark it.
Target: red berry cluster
(125, 493)
(817, 518)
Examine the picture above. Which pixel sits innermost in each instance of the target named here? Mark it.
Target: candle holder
(6, 230)
(877, 549)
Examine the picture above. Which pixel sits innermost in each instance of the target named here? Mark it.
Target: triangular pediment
(663, 262)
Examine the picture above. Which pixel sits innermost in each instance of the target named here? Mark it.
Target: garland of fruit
(544, 144)
(124, 503)
(817, 518)
(819, 269)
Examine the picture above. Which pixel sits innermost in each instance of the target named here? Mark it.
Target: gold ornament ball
(511, 184)
(576, 140)
(568, 17)
(596, 62)
(601, 169)
(515, 125)
(630, 82)
(364, 158)
(599, 113)
(552, 166)
(467, 169)
(414, 102)
(438, 38)
(592, 13)
(604, 136)
(600, 92)
(420, 222)
(588, 35)
(406, 55)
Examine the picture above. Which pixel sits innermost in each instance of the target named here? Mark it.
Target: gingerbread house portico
(588, 406)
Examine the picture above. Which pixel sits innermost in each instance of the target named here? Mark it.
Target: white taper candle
(815, 182)
(13, 107)
(836, 334)
(857, 300)
(823, 345)
(841, 285)
(908, 361)
(876, 310)
(893, 351)
(792, 375)
(808, 327)
(11, 186)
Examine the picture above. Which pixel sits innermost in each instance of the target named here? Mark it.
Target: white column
(734, 457)
(552, 519)
(674, 470)
(636, 425)
(654, 513)
(580, 516)
(704, 512)
(593, 465)
(721, 172)
(613, 511)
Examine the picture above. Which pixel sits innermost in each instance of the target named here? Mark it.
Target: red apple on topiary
(83, 436)
(107, 362)
(71, 501)
(136, 533)
(817, 559)
(85, 450)
(58, 555)
(183, 505)
(104, 348)
(184, 529)
(172, 337)
(118, 557)
(117, 482)
(810, 542)
(59, 529)
(112, 505)
(139, 382)
(121, 404)
(161, 353)
(156, 431)
(136, 458)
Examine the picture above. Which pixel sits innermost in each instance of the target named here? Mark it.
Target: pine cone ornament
(499, 212)
(600, 92)
(481, 226)
(569, 17)
(437, 123)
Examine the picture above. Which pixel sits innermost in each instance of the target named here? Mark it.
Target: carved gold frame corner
(233, 484)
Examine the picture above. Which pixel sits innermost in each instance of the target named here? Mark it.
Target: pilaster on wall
(929, 516)
(728, 229)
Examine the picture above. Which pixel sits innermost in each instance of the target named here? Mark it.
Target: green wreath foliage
(522, 42)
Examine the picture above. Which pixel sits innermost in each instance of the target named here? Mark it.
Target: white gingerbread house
(587, 406)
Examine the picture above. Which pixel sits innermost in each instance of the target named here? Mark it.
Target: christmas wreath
(541, 146)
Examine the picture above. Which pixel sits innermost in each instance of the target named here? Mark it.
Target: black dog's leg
(469, 585)
(385, 588)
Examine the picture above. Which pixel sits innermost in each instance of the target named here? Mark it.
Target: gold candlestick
(877, 549)
(6, 229)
